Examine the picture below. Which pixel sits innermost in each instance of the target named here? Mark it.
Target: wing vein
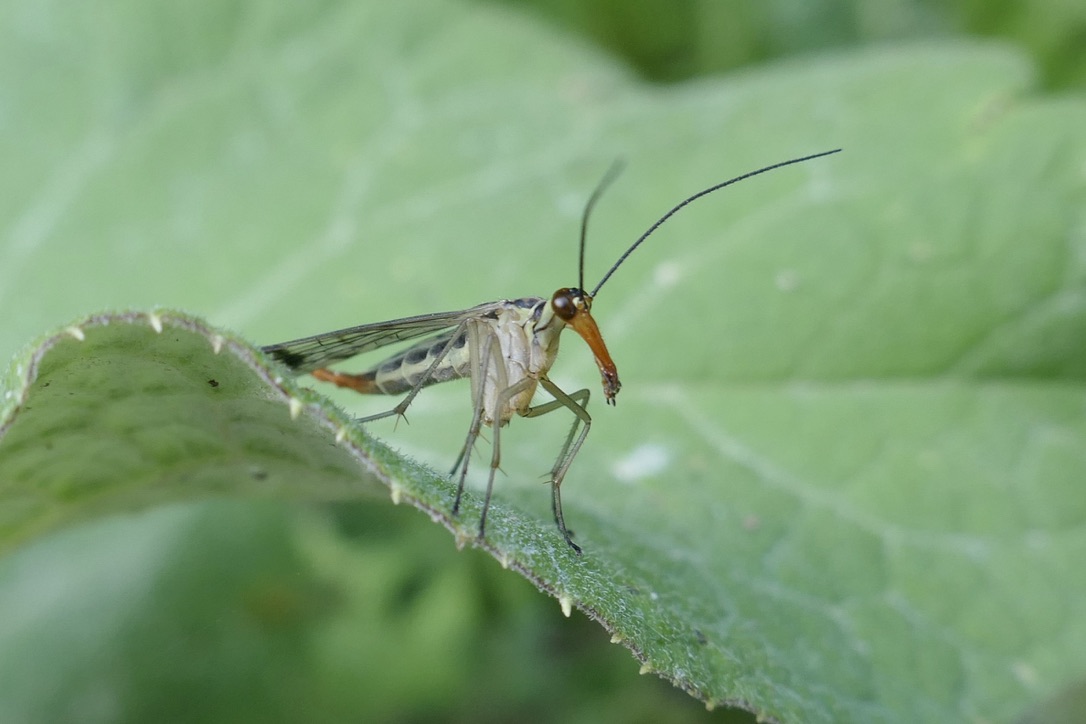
(310, 353)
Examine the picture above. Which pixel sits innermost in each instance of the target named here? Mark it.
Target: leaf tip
(76, 332)
(295, 408)
(566, 604)
(156, 322)
(216, 343)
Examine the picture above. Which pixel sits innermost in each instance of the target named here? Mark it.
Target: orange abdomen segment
(366, 383)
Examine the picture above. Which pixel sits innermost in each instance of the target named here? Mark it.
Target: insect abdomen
(402, 372)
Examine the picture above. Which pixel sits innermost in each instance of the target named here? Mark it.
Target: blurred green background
(671, 40)
(463, 640)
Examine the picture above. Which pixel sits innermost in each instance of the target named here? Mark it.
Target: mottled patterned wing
(311, 353)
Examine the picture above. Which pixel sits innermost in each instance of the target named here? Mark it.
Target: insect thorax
(524, 330)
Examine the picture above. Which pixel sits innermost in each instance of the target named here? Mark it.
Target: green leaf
(842, 479)
(129, 410)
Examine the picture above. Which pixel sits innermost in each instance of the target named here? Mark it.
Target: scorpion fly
(506, 348)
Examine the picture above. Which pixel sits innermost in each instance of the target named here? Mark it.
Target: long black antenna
(608, 178)
(674, 210)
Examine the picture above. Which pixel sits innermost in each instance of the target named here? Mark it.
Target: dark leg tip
(568, 535)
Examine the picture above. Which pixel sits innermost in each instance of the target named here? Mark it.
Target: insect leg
(482, 354)
(507, 393)
(479, 358)
(576, 403)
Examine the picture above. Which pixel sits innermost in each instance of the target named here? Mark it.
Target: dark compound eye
(563, 304)
(568, 303)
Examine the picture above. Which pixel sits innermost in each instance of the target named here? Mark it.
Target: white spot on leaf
(643, 462)
(667, 274)
(920, 252)
(787, 280)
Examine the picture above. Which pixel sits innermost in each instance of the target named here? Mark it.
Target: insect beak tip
(611, 386)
